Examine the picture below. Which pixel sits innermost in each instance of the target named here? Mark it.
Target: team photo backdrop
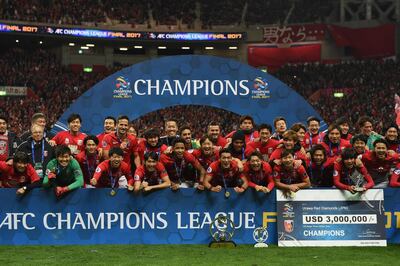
(188, 80)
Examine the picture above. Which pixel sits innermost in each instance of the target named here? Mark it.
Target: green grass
(196, 255)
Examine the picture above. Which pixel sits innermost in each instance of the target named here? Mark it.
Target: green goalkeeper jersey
(70, 176)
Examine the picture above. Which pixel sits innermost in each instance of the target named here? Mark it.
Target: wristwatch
(24, 188)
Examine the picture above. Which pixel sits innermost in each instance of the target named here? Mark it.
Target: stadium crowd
(369, 87)
(78, 12)
(315, 82)
(43, 74)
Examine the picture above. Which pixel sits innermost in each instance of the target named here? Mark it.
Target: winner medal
(227, 194)
(113, 192)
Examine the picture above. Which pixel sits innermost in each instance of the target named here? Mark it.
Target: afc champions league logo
(260, 89)
(260, 235)
(122, 88)
(260, 83)
(288, 214)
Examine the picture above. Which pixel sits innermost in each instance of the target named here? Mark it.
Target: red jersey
(290, 176)
(333, 150)
(262, 177)
(4, 149)
(100, 137)
(310, 141)
(247, 137)
(88, 165)
(379, 169)
(321, 175)
(394, 179)
(347, 137)
(178, 169)
(13, 179)
(394, 147)
(224, 177)
(205, 161)
(343, 178)
(221, 142)
(75, 143)
(109, 177)
(144, 148)
(276, 155)
(128, 144)
(153, 178)
(266, 149)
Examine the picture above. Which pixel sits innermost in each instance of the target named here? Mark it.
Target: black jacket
(26, 147)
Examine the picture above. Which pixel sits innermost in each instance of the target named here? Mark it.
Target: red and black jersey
(224, 177)
(379, 169)
(144, 147)
(290, 176)
(266, 149)
(177, 167)
(262, 177)
(394, 146)
(334, 150)
(205, 161)
(276, 155)
(88, 165)
(343, 178)
(10, 178)
(153, 178)
(221, 142)
(128, 144)
(321, 175)
(100, 137)
(74, 142)
(347, 137)
(312, 140)
(247, 137)
(107, 176)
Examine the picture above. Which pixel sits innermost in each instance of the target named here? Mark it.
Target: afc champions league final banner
(91, 216)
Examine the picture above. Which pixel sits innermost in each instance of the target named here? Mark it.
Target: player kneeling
(225, 173)
(152, 175)
(63, 173)
(111, 171)
(348, 176)
(289, 177)
(258, 173)
(20, 174)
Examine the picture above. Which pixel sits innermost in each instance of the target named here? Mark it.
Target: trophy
(222, 230)
(260, 235)
(358, 181)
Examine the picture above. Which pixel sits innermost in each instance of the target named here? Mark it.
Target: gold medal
(227, 194)
(113, 192)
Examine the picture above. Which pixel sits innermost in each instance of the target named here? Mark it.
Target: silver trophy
(358, 180)
(221, 230)
(260, 235)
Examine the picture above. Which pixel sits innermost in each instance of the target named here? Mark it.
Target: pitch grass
(196, 255)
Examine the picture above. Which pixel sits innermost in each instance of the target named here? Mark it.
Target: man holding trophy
(348, 176)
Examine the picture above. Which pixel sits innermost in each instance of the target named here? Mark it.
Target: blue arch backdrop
(188, 80)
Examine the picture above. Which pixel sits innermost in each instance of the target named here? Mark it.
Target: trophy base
(261, 245)
(222, 244)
